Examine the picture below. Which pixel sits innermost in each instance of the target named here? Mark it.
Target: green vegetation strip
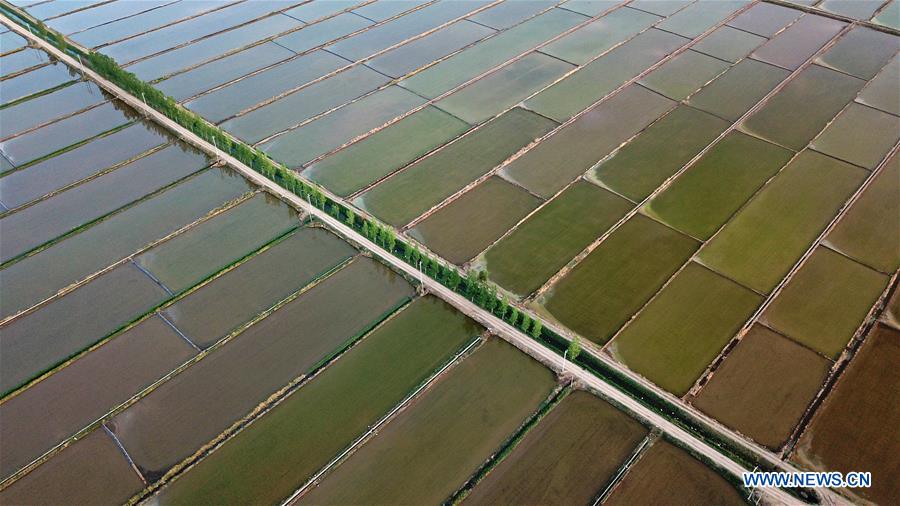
(475, 287)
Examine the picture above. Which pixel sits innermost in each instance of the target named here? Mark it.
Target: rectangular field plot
(225, 102)
(575, 450)
(304, 144)
(356, 166)
(666, 471)
(699, 17)
(465, 227)
(574, 149)
(639, 167)
(129, 27)
(674, 338)
(40, 110)
(49, 219)
(841, 138)
(507, 14)
(87, 389)
(427, 182)
(684, 74)
(765, 19)
(39, 340)
(33, 82)
(418, 53)
(591, 40)
(397, 30)
(486, 55)
(318, 34)
(37, 277)
(729, 44)
(861, 52)
(198, 52)
(100, 15)
(764, 386)
(431, 448)
(304, 104)
(881, 92)
(43, 142)
(192, 29)
(764, 239)
(547, 240)
(504, 88)
(219, 307)
(55, 173)
(22, 60)
(705, 196)
(796, 44)
(595, 80)
(275, 455)
(91, 471)
(863, 232)
(803, 107)
(851, 430)
(216, 73)
(606, 288)
(189, 410)
(825, 301)
(184, 260)
(736, 91)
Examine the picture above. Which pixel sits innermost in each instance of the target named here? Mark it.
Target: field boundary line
(384, 419)
(506, 331)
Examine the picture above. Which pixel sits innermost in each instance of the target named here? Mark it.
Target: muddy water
(91, 471)
(82, 204)
(192, 408)
(192, 256)
(329, 132)
(324, 416)
(200, 51)
(39, 276)
(217, 308)
(87, 389)
(297, 107)
(23, 186)
(227, 101)
(480, 58)
(404, 59)
(41, 339)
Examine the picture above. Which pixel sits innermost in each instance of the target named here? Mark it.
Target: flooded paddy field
(682, 184)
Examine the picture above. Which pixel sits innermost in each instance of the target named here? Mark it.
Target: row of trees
(475, 286)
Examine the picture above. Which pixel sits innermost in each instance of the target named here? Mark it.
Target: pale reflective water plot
(704, 191)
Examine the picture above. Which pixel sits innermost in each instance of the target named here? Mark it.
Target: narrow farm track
(496, 325)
